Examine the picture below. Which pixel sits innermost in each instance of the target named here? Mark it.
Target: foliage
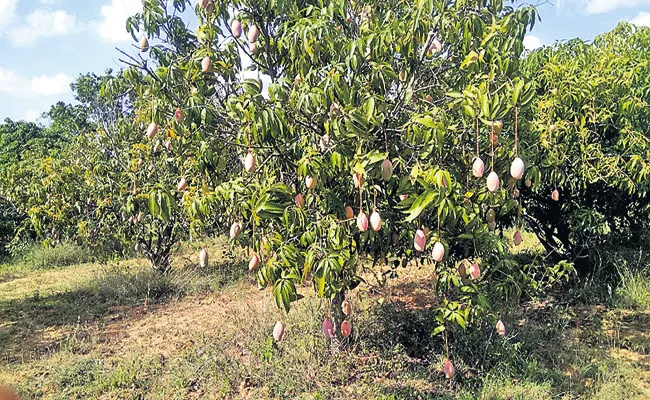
(591, 123)
(21, 143)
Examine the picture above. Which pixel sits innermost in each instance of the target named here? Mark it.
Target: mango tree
(357, 157)
(592, 156)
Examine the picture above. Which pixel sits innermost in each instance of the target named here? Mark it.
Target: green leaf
(438, 330)
(420, 204)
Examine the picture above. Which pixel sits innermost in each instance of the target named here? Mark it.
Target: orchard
(344, 142)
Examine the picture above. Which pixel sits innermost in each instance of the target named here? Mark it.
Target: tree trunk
(160, 263)
(337, 319)
(159, 253)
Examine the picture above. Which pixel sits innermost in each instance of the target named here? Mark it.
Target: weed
(634, 289)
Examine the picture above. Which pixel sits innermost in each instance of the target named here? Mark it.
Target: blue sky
(46, 44)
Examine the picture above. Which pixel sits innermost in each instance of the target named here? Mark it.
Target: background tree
(22, 143)
(591, 121)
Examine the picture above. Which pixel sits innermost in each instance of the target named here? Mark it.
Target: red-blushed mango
(235, 28)
(235, 228)
(182, 184)
(346, 329)
(428, 98)
(386, 170)
(435, 47)
(555, 195)
(253, 34)
(362, 221)
(178, 115)
(438, 251)
(203, 258)
(206, 64)
(349, 212)
(375, 221)
(475, 271)
(517, 168)
(346, 306)
(205, 3)
(278, 331)
(403, 197)
(358, 180)
(501, 328)
(517, 238)
(249, 162)
(328, 328)
(449, 369)
(300, 201)
(420, 240)
(493, 182)
(478, 168)
(253, 263)
(310, 182)
(152, 129)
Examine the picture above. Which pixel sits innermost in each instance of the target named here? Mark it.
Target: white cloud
(51, 85)
(603, 6)
(7, 11)
(44, 24)
(10, 82)
(32, 115)
(112, 27)
(532, 42)
(642, 19)
(19, 86)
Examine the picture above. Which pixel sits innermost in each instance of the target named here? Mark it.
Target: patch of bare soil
(169, 328)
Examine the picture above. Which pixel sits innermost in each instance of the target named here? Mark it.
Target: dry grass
(116, 331)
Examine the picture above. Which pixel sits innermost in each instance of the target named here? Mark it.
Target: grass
(61, 255)
(120, 331)
(634, 289)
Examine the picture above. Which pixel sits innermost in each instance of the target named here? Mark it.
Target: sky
(46, 44)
